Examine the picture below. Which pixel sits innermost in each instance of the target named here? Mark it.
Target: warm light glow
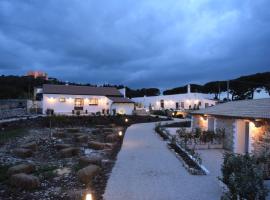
(70, 100)
(88, 197)
(203, 118)
(62, 99)
(120, 133)
(172, 114)
(51, 99)
(126, 120)
(121, 111)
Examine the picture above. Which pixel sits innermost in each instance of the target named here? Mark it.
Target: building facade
(86, 100)
(175, 102)
(244, 122)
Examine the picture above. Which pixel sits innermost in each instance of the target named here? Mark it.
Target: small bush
(243, 177)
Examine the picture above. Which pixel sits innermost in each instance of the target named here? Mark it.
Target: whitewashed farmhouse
(85, 100)
(244, 122)
(176, 102)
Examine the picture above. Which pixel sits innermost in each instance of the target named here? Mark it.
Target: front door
(78, 104)
(246, 137)
(176, 105)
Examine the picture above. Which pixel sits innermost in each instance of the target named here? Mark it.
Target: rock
(81, 138)
(31, 145)
(62, 146)
(60, 134)
(75, 194)
(84, 161)
(23, 152)
(22, 168)
(96, 131)
(109, 130)
(69, 152)
(112, 137)
(73, 130)
(86, 174)
(24, 181)
(99, 145)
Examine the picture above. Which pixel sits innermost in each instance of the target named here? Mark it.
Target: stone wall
(261, 139)
(229, 126)
(10, 113)
(6, 104)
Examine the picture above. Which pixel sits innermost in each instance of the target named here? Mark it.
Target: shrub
(243, 177)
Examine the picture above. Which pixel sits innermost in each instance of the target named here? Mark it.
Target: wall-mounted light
(62, 99)
(258, 123)
(88, 197)
(204, 117)
(51, 99)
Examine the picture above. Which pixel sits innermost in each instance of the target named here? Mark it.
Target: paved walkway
(147, 170)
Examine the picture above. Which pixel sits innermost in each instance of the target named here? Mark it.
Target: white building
(70, 99)
(176, 101)
(244, 122)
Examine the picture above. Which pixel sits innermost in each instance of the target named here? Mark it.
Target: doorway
(78, 104)
(246, 137)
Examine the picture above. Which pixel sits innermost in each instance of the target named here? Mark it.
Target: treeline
(240, 88)
(14, 87)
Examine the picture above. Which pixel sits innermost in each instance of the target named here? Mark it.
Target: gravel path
(147, 170)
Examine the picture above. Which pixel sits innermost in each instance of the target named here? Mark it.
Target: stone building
(245, 123)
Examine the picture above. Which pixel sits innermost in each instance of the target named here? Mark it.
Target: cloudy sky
(139, 43)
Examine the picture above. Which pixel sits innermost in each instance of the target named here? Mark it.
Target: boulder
(108, 130)
(60, 134)
(112, 138)
(24, 181)
(22, 168)
(81, 138)
(86, 174)
(84, 160)
(99, 145)
(73, 130)
(96, 131)
(31, 145)
(23, 152)
(62, 146)
(69, 152)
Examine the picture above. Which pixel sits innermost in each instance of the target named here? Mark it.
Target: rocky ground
(61, 163)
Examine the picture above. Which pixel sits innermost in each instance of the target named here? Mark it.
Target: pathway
(146, 169)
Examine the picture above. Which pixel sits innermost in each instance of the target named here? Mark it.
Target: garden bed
(186, 124)
(189, 162)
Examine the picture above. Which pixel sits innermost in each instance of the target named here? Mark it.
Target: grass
(6, 135)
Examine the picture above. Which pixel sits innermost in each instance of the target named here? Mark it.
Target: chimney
(188, 89)
(123, 91)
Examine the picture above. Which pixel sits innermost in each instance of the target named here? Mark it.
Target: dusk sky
(138, 43)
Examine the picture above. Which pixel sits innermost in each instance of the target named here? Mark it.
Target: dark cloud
(137, 43)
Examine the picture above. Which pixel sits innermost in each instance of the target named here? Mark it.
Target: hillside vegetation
(19, 87)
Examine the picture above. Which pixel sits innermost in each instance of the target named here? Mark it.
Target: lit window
(62, 99)
(93, 101)
(78, 102)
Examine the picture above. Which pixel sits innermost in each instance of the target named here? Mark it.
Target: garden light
(120, 133)
(88, 197)
(126, 120)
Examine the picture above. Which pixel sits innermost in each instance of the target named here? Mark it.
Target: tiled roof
(120, 100)
(257, 108)
(80, 90)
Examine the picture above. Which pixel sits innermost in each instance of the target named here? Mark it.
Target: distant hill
(240, 88)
